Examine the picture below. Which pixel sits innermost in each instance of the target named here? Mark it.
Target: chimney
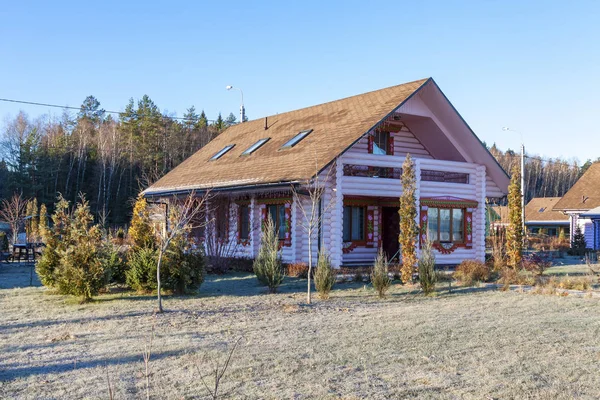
(266, 125)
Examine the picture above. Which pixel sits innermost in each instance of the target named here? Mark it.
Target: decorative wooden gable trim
(448, 201)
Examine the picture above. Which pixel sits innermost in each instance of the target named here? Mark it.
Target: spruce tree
(578, 244)
(514, 232)
(408, 215)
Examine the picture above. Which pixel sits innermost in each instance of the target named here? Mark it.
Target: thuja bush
(427, 275)
(379, 275)
(267, 265)
(324, 275)
(56, 242)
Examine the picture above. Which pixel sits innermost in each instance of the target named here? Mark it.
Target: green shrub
(81, 271)
(324, 275)
(48, 263)
(470, 271)
(141, 274)
(115, 264)
(267, 265)
(427, 275)
(379, 275)
(3, 241)
(182, 271)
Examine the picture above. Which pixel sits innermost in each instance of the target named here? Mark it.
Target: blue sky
(529, 65)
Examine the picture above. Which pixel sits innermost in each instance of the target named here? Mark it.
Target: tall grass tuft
(427, 275)
(379, 275)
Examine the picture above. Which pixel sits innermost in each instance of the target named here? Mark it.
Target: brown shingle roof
(501, 215)
(540, 209)
(336, 126)
(585, 193)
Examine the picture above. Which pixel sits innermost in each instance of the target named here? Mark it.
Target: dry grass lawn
(473, 343)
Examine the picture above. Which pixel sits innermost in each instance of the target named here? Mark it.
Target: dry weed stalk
(147, 353)
(218, 374)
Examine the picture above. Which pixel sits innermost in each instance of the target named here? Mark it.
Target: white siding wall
(476, 190)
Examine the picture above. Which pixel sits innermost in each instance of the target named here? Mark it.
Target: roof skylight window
(294, 141)
(255, 147)
(222, 152)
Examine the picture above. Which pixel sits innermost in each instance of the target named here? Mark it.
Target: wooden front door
(390, 231)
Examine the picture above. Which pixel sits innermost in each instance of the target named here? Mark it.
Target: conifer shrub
(408, 215)
(56, 240)
(427, 275)
(379, 274)
(141, 231)
(141, 272)
(3, 241)
(81, 270)
(578, 244)
(183, 271)
(115, 263)
(325, 275)
(267, 265)
(471, 271)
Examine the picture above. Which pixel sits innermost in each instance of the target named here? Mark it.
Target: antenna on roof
(266, 124)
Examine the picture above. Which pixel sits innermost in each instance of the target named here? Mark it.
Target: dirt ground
(471, 343)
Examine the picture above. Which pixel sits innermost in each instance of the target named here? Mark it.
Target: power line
(33, 103)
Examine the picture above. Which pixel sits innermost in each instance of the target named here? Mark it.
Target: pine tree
(408, 215)
(514, 232)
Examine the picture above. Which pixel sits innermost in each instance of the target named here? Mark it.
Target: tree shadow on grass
(67, 365)
(240, 284)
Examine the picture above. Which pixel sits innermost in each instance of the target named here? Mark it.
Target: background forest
(110, 157)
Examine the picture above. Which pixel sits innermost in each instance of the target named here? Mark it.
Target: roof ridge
(423, 82)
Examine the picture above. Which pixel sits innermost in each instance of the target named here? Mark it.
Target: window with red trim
(446, 225)
(244, 222)
(354, 223)
(222, 220)
(277, 213)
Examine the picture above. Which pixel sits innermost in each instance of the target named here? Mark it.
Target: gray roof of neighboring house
(594, 213)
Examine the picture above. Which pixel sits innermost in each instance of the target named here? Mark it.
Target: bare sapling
(13, 211)
(218, 373)
(179, 217)
(312, 211)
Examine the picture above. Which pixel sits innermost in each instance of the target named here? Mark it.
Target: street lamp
(506, 129)
(242, 109)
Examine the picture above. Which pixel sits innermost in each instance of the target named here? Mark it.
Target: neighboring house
(579, 200)
(541, 218)
(594, 217)
(498, 218)
(356, 147)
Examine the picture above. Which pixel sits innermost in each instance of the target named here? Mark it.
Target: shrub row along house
(582, 205)
(354, 148)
